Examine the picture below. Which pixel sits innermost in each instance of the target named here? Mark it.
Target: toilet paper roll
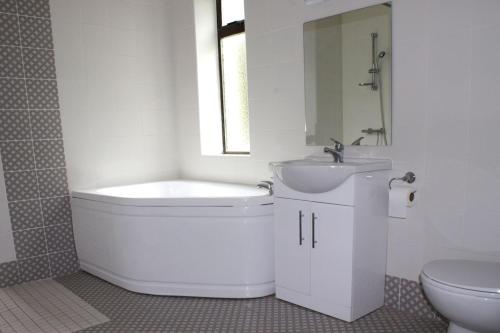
(400, 198)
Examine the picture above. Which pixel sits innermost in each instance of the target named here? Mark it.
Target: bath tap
(337, 151)
(267, 185)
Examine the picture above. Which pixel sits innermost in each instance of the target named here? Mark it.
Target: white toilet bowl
(466, 292)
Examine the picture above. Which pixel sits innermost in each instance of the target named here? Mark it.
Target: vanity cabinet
(331, 257)
(307, 237)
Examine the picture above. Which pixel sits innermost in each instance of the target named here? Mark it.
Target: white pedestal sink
(330, 229)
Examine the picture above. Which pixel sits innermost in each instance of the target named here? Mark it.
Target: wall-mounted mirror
(347, 61)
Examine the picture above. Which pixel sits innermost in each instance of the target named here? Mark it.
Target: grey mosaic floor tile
(412, 299)
(9, 30)
(42, 94)
(13, 94)
(8, 6)
(30, 243)
(39, 63)
(25, 214)
(392, 285)
(131, 312)
(14, 125)
(17, 155)
(11, 63)
(53, 182)
(49, 154)
(9, 274)
(46, 124)
(64, 263)
(39, 8)
(56, 210)
(36, 32)
(21, 185)
(34, 268)
(60, 237)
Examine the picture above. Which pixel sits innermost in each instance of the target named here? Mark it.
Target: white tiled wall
(445, 116)
(113, 60)
(124, 66)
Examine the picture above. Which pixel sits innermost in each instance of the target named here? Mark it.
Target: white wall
(323, 74)
(7, 250)
(113, 60)
(445, 116)
(361, 105)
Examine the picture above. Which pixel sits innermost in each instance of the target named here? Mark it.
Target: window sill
(226, 155)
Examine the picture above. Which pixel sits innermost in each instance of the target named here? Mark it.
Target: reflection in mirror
(347, 61)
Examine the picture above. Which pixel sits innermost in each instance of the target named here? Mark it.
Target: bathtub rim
(230, 201)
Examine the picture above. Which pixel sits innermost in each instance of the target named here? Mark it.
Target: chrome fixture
(268, 185)
(375, 68)
(376, 84)
(337, 151)
(409, 177)
(357, 142)
(370, 130)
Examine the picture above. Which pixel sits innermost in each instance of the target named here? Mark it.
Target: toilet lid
(466, 274)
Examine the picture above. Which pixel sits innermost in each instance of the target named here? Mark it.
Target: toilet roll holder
(409, 177)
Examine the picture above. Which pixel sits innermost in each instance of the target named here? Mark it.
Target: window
(233, 76)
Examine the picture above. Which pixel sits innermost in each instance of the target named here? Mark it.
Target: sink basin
(319, 175)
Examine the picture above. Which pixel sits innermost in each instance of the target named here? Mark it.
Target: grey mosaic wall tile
(412, 300)
(30, 243)
(9, 274)
(49, 154)
(21, 185)
(56, 210)
(39, 63)
(60, 237)
(34, 268)
(13, 94)
(11, 62)
(42, 94)
(8, 6)
(14, 125)
(36, 32)
(46, 124)
(9, 31)
(392, 285)
(39, 8)
(17, 155)
(25, 214)
(32, 167)
(52, 182)
(64, 263)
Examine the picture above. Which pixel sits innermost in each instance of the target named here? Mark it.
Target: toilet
(466, 292)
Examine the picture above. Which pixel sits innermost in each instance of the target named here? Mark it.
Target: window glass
(234, 68)
(232, 10)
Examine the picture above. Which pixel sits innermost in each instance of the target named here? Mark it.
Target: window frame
(223, 31)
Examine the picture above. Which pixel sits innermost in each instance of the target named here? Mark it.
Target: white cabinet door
(292, 244)
(331, 257)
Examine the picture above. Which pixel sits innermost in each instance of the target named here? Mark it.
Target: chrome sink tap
(337, 151)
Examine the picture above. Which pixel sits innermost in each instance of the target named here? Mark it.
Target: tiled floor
(45, 306)
(131, 312)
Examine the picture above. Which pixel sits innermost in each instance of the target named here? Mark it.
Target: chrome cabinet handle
(300, 227)
(313, 230)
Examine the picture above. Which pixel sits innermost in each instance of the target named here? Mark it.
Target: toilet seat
(466, 275)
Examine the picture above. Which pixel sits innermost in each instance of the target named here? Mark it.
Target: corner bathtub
(181, 238)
